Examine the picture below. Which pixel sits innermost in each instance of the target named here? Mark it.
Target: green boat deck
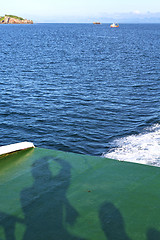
(53, 195)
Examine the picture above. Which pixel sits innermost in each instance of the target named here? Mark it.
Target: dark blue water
(79, 87)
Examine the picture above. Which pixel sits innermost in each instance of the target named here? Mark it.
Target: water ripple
(74, 87)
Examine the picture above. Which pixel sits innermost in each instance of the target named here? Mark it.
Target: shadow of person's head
(112, 222)
(153, 234)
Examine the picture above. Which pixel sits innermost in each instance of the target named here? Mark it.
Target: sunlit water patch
(143, 148)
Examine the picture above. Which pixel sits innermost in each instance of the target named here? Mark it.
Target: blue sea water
(82, 88)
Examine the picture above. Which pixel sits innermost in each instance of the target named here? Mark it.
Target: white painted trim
(15, 147)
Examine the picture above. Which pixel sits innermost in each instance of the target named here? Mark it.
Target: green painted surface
(47, 195)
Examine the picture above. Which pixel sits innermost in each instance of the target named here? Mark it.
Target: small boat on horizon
(114, 25)
(96, 23)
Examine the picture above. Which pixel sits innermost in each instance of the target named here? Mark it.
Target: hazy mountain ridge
(131, 17)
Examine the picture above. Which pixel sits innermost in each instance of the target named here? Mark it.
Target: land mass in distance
(11, 19)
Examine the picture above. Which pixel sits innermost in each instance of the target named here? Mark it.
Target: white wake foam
(143, 148)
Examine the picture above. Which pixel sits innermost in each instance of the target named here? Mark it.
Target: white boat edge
(15, 147)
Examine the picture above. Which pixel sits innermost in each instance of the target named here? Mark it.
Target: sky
(83, 10)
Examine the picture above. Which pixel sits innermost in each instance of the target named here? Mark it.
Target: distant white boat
(114, 25)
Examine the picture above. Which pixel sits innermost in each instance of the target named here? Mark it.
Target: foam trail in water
(143, 148)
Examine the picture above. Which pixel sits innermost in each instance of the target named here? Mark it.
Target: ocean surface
(82, 88)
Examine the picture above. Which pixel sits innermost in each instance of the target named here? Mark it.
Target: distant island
(11, 19)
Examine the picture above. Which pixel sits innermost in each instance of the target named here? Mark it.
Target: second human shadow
(112, 222)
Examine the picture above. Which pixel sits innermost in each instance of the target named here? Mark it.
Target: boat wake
(143, 148)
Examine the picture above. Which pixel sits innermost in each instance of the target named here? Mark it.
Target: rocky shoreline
(10, 19)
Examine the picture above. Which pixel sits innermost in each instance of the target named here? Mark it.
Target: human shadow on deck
(45, 205)
(153, 234)
(8, 223)
(112, 222)
(113, 225)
